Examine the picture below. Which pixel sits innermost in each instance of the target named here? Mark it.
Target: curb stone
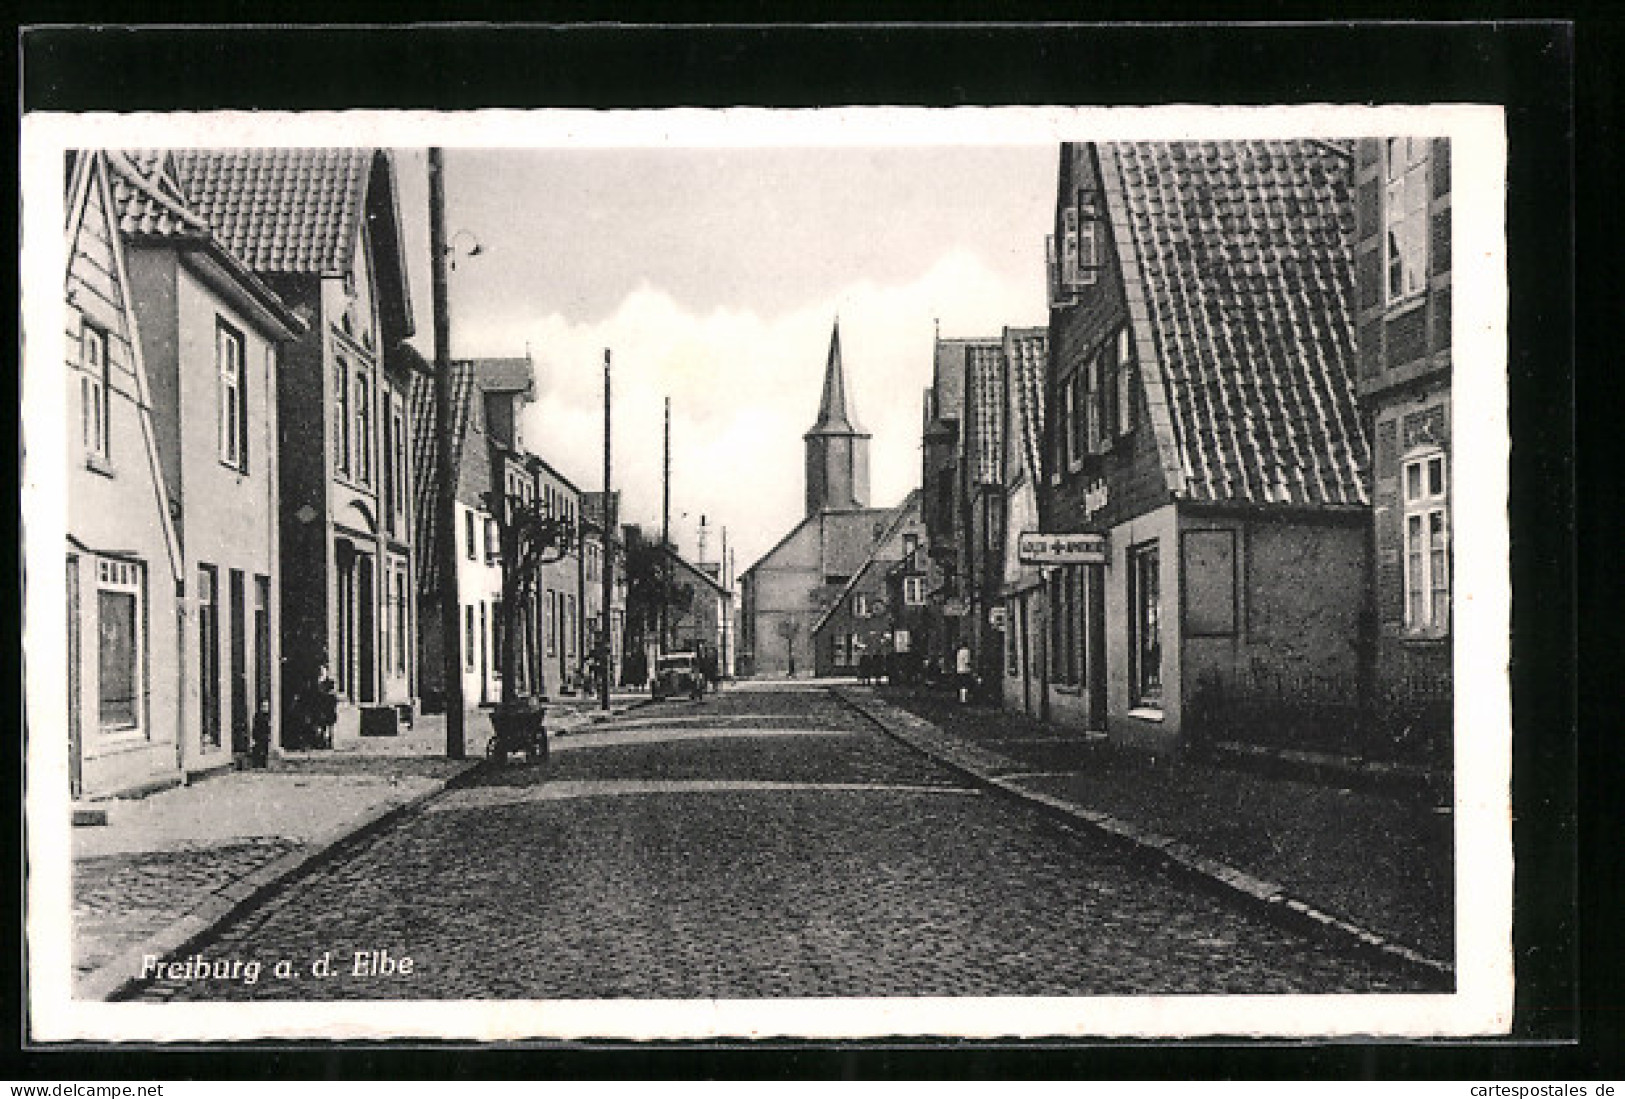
(1266, 897)
(120, 978)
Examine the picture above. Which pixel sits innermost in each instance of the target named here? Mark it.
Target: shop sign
(1061, 549)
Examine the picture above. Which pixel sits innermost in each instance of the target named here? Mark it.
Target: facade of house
(596, 556)
(1025, 674)
(321, 227)
(211, 336)
(865, 615)
(486, 397)
(786, 591)
(124, 562)
(559, 646)
(943, 498)
(1402, 263)
(981, 477)
(1202, 421)
(703, 623)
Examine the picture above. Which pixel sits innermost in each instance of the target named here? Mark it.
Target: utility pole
(665, 535)
(609, 554)
(451, 669)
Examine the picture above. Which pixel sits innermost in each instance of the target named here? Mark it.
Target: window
(493, 542)
(402, 472)
(363, 428)
(1145, 622)
(1012, 640)
(341, 415)
(570, 624)
(1427, 545)
(468, 535)
(233, 411)
(498, 627)
(403, 616)
(911, 547)
(1095, 432)
(914, 591)
(208, 634)
(860, 605)
(1071, 424)
(468, 637)
(95, 383)
(1405, 216)
(120, 666)
(552, 622)
(1124, 369)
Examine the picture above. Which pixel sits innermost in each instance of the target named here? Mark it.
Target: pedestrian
(962, 672)
(259, 741)
(327, 707)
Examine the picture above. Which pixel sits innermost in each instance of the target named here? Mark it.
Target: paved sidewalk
(1371, 867)
(167, 867)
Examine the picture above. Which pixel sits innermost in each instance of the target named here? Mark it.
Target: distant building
(865, 616)
(1402, 262)
(124, 560)
(981, 493)
(211, 337)
(1202, 419)
(597, 554)
(786, 591)
(486, 397)
(944, 500)
(1026, 610)
(704, 621)
(322, 228)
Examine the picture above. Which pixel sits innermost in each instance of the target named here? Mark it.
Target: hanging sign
(1061, 549)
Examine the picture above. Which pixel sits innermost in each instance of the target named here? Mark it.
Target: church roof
(900, 515)
(834, 417)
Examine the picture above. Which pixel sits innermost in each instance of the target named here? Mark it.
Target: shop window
(1405, 216)
(1145, 623)
(1427, 545)
(95, 384)
(120, 662)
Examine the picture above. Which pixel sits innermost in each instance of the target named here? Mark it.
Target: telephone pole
(451, 670)
(665, 535)
(609, 556)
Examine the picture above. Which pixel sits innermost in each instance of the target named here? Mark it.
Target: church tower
(837, 448)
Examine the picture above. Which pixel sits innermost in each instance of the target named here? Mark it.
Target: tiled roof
(146, 207)
(150, 207)
(948, 374)
(985, 383)
(910, 507)
(284, 211)
(1026, 353)
(426, 455)
(849, 537)
(1240, 285)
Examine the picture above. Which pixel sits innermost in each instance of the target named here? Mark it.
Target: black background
(1551, 76)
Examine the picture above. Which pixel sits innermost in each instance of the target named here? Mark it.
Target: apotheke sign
(1061, 549)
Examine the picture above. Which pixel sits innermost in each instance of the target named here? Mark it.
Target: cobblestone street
(760, 843)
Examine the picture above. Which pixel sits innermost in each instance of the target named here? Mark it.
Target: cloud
(743, 389)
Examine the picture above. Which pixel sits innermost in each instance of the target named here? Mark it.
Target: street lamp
(454, 248)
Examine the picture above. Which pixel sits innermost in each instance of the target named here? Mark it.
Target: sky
(715, 276)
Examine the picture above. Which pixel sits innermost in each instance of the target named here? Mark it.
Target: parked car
(677, 674)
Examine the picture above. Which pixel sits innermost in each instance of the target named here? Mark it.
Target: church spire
(833, 415)
(837, 448)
